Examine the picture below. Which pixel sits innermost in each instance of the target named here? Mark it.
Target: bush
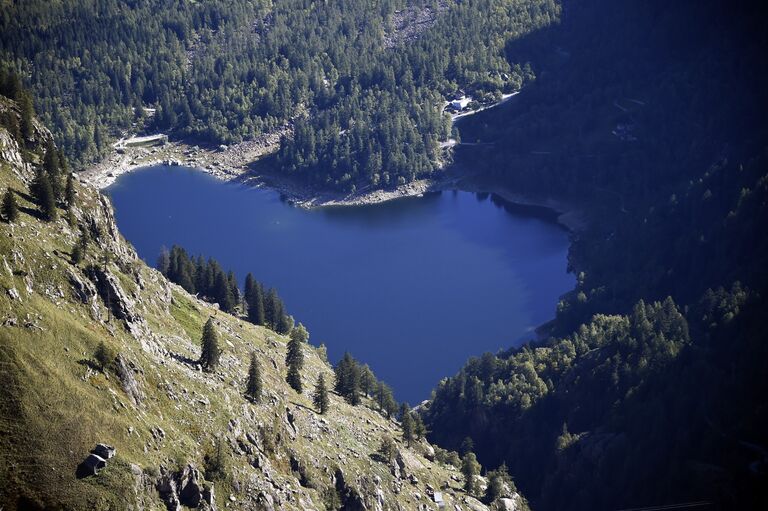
(104, 356)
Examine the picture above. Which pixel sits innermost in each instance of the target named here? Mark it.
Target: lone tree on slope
(209, 357)
(10, 208)
(470, 468)
(406, 421)
(320, 399)
(253, 385)
(294, 360)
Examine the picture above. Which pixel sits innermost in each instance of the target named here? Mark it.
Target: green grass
(54, 407)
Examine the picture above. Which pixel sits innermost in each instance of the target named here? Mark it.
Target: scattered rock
(95, 461)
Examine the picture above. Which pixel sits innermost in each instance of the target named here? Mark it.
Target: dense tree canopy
(366, 100)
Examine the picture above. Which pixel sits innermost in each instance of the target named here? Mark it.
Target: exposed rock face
(85, 292)
(10, 151)
(508, 504)
(351, 500)
(116, 299)
(125, 370)
(186, 488)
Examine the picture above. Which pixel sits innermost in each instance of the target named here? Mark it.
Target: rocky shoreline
(232, 164)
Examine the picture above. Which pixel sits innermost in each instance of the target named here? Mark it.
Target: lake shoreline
(238, 164)
(223, 166)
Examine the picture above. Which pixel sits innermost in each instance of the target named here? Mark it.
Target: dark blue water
(412, 287)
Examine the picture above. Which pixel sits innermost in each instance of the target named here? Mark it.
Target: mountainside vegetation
(648, 387)
(366, 113)
(121, 390)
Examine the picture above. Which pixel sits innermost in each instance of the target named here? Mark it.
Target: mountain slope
(181, 434)
(651, 116)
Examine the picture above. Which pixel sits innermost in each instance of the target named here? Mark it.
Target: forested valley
(650, 115)
(648, 386)
(367, 102)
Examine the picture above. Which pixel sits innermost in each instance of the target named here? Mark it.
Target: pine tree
(470, 468)
(406, 421)
(348, 379)
(367, 381)
(209, 357)
(10, 208)
(223, 293)
(27, 113)
(419, 428)
(254, 299)
(52, 167)
(69, 191)
(388, 448)
(284, 322)
(320, 398)
(233, 289)
(272, 307)
(43, 194)
(294, 360)
(386, 400)
(80, 249)
(253, 385)
(497, 479)
(201, 276)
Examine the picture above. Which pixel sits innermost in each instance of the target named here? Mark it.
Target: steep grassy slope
(170, 422)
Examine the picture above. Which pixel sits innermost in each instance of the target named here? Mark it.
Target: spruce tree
(272, 308)
(223, 293)
(385, 399)
(209, 357)
(470, 468)
(52, 167)
(201, 276)
(233, 289)
(284, 322)
(496, 481)
(10, 208)
(294, 360)
(419, 428)
(406, 421)
(69, 191)
(367, 381)
(43, 194)
(320, 398)
(253, 385)
(27, 113)
(254, 299)
(348, 379)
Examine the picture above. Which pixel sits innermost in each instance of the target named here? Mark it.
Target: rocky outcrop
(96, 460)
(116, 299)
(125, 373)
(85, 292)
(351, 500)
(508, 504)
(185, 488)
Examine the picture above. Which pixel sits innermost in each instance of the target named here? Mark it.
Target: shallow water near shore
(413, 287)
